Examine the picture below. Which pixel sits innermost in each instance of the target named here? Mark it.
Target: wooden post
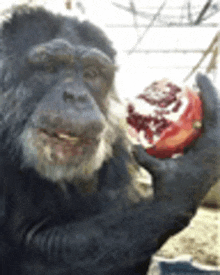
(68, 4)
(207, 51)
(217, 70)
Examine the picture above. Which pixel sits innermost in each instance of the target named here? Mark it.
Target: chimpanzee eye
(91, 72)
(51, 69)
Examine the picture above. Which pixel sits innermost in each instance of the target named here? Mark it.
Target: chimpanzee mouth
(62, 147)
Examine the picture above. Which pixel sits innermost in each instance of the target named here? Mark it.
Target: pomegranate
(165, 118)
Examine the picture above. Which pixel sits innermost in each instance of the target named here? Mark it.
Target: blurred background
(156, 39)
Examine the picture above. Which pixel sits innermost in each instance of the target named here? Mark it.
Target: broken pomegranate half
(165, 119)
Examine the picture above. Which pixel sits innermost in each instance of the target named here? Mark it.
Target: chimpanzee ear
(24, 29)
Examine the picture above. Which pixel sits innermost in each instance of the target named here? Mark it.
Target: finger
(152, 164)
(210, 100)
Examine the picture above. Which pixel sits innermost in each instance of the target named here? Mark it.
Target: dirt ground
(201, 239)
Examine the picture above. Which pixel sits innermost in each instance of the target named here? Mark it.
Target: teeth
(68, 137)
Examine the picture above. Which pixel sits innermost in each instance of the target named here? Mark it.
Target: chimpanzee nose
(76, 96)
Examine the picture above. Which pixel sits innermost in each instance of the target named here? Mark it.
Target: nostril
(82, 98)
(67, 96)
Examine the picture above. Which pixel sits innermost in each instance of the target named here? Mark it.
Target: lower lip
(63, 150)
(67, 149)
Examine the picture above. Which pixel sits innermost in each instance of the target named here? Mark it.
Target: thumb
(150, 163)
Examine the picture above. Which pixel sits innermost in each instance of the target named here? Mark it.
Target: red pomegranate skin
(172, 136)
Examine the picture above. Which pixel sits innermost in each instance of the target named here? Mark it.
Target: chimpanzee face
(67, 133)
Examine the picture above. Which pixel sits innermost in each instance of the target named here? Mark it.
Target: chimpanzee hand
(187, 179)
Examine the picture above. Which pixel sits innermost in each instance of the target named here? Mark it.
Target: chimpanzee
(69, 202)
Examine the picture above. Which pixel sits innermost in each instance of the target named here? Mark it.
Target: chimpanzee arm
(124, 238)
(113, 239)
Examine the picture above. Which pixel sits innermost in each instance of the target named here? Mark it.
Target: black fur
(54, 219)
